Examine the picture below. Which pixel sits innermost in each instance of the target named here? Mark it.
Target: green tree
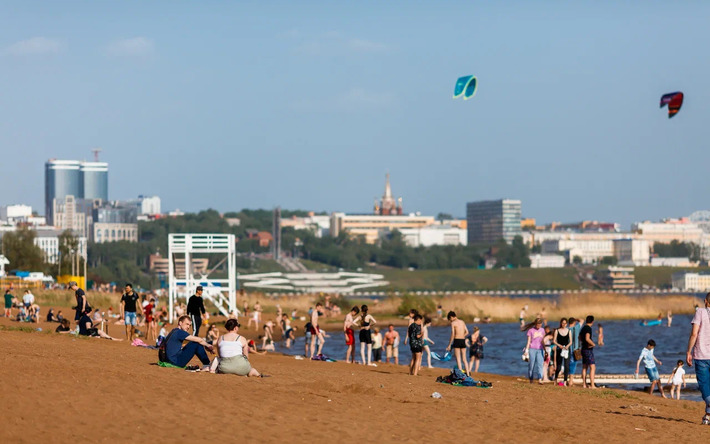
(68, 249)
(20, 249)
(577, 260)
(444, 216)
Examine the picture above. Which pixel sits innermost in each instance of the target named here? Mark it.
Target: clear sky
(232, 105)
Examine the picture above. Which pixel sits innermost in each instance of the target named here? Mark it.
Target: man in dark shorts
(588, 364)
(129, 304)
(459, 331)
(180, 356)
(196, 309)
(81, 303)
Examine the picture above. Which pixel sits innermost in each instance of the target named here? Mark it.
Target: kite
(674, 102)
(466, 87)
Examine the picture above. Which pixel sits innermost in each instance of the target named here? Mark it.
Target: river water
(623, 341)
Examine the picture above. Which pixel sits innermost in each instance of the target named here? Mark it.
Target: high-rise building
(82, 180)
(62, 178)
(492, 220)
(94, 180)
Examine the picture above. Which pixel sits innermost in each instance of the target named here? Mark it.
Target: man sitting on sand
(180, 356)
(459, 331)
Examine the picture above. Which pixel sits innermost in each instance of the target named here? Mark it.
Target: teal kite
(466, 87)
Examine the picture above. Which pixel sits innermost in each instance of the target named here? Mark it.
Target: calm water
(623, 342)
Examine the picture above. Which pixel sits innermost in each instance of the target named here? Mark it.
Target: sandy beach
(62, 388)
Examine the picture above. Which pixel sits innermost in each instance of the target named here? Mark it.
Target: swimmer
(348, 325)
(459, 331)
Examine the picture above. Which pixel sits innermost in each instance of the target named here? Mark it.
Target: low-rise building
(690, 281)
(114, 232)
(47, 240)
(617, 278)
(368, 226)
(547, 261)
(635, 252)
(432, 235)
(673, 262)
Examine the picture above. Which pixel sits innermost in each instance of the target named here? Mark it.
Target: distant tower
(388, 205)
(276, 233)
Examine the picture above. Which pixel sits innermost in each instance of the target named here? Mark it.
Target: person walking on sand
(392, 345)
(587, 343)
(698, 353)
(316, 333)
(476, 341)
(563, 342)
(366, 322)
(458, 340)
(534, 348)
(348, 325)
(128, 305)
(414, 332)
(196, 310)
(676, 379)
(81, 303)
(649, 362)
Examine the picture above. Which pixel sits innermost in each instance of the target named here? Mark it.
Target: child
(416, 343)
(649, 361)
(161, 336)
(677, 378)
(376, 345)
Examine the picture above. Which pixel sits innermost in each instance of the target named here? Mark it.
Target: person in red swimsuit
(348, 325)
(150, 325)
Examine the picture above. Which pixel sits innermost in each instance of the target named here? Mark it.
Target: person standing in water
(563, 341)
(427, 341)
(476, 341)
(588, 363)
(367, 321)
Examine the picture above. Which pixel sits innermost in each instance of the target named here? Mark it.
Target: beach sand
(60, 388)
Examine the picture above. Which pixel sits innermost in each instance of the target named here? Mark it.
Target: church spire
(388, 188)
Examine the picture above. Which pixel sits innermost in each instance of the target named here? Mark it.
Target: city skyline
(308, 108)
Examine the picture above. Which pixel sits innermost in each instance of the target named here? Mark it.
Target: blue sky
(307, 105)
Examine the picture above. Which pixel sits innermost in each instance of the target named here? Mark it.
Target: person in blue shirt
(180, 356)
(649, 361)
(575, 326)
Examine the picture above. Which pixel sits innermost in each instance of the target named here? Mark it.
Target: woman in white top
(234, 352)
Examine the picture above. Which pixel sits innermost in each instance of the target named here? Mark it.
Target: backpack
(163, 348)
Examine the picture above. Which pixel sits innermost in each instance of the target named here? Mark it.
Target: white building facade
(433, 235)
(636, 252)
(547, 261)
(686, 281)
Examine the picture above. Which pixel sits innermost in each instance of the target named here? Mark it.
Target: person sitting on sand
(86, 328)
(180, 356)
(252, 348)
(63, 327)
(233, 352)
(212, 335)
(50, 316)
(60, 316)
(459, 331)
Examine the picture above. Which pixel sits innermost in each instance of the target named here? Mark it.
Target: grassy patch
(661, 276)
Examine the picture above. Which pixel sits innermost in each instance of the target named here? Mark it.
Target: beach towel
(323, 358)
(459, 378)
(447, 356)
(139, 343)
(167, 365)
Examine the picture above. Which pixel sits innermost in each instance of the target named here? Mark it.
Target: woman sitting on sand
(234, 352)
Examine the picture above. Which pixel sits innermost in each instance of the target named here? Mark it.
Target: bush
(423, 304)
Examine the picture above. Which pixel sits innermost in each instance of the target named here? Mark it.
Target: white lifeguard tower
(221, 292)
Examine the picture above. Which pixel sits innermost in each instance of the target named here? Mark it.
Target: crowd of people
(553, 354)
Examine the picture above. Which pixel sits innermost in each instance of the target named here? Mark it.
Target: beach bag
(578, 355)
(162, 349)
(564, 353)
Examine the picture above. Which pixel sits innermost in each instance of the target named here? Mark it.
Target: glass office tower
(94, 180)
(491, 220)
(61, 178)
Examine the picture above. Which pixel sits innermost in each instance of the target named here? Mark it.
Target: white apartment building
(433, 235)
(547, 261)
(14, 213)
(686, 281)
(672, 262)
(634, 252)
(149, 205)
(369, 226)
(318, 224)
(48, 242)
(112, 232)
(681, 230)
(589, 250)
